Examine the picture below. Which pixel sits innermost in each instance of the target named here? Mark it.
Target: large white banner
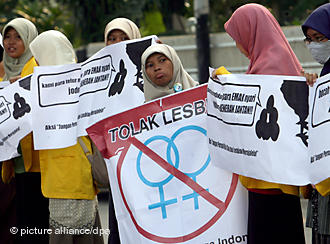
(67, 99)
(3, 84)
(257, 127)
(319, 121)
(15, 116)
(165, 187)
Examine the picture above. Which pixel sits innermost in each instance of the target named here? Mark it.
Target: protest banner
(69, 98)
(3, 84)
(15, 116)
(165, 187)
(257, 127)
(319, 120)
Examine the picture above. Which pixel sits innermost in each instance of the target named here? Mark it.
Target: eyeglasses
(315, 39)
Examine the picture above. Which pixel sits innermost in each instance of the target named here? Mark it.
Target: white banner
(257, 127)
(165, 187)
(15, 116)
(3, 84)
(319, 121)
(67, 99)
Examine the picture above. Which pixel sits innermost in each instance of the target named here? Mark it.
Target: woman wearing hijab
(118, 30)
(274, 209)
(317, 31)
(17, 36)
(19, 62)
(66, 177)
(7, 191)
(163, 73)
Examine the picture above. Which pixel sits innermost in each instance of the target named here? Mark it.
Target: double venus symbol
(160, 185)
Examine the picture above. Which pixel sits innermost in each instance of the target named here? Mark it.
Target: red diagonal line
(177, 173)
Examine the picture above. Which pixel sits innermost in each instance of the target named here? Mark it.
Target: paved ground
(308, 231)
(103, 206)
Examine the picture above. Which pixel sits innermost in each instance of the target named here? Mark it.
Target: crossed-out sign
(171, 145)
(119, 133)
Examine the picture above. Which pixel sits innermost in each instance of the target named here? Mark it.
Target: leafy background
(84, 21)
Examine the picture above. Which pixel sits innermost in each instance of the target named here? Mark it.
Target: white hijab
(125, 25)
(52, 48)
(153, 91)
(27, 31)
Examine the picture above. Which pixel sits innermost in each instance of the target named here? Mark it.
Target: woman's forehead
(155, 55)
(117, 32)
(312, 32)
(10, 28)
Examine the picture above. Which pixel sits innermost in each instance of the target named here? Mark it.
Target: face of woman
(13, 44)
(116, 36)
(240, 47)
(159, 69)
(314, 36)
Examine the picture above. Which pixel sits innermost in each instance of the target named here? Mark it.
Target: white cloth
(125, 25)
(72, 213)
(52, 48)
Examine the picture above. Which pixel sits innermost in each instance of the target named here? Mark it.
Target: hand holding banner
(257, 127)
(67, 99)
(15, 116)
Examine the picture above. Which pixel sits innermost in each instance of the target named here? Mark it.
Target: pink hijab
(256, 29)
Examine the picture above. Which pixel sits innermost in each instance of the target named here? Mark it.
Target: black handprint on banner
(118, 84)
(134, 51)
(267, 126)
(20, 106)
(296, 95)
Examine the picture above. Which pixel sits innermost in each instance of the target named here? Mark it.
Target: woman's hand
(219, 71)
(310, 77)
(14, 78)
(214, 75)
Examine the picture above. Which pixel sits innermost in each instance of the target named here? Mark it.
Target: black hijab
(319, 20)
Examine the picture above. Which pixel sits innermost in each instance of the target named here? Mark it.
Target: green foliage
(152, 24)
(6, 11)
(287, 12)
(91, 16)
(220, 12)
(84, 21)
(46, 15)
